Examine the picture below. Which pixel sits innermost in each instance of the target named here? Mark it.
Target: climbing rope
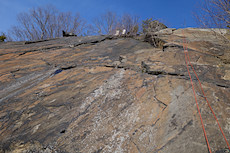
(187, 59)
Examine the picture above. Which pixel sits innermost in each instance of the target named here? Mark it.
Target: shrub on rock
(2, 37)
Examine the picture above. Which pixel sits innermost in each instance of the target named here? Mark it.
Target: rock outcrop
(110, 94)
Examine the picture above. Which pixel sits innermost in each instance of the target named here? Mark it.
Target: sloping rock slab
(110, 94)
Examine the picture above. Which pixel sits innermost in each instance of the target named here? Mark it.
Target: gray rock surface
(111, 94)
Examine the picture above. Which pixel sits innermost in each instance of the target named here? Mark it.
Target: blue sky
(174, 13)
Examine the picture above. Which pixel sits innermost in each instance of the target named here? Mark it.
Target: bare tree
(43, 23)
(131, 23)
(105, 24)
(214, 13)
(109, 22)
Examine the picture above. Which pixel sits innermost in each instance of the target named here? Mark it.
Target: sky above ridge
(174, 13)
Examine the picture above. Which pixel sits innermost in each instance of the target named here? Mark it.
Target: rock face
(109, 94)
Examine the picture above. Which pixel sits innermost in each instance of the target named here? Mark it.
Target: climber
(123, 31)
(117, 33)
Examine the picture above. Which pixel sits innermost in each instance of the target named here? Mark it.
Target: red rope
(206, 138)
(208, 101)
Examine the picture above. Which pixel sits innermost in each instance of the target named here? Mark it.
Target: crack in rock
(94, 41)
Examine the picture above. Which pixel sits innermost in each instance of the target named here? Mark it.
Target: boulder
(155, 26)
